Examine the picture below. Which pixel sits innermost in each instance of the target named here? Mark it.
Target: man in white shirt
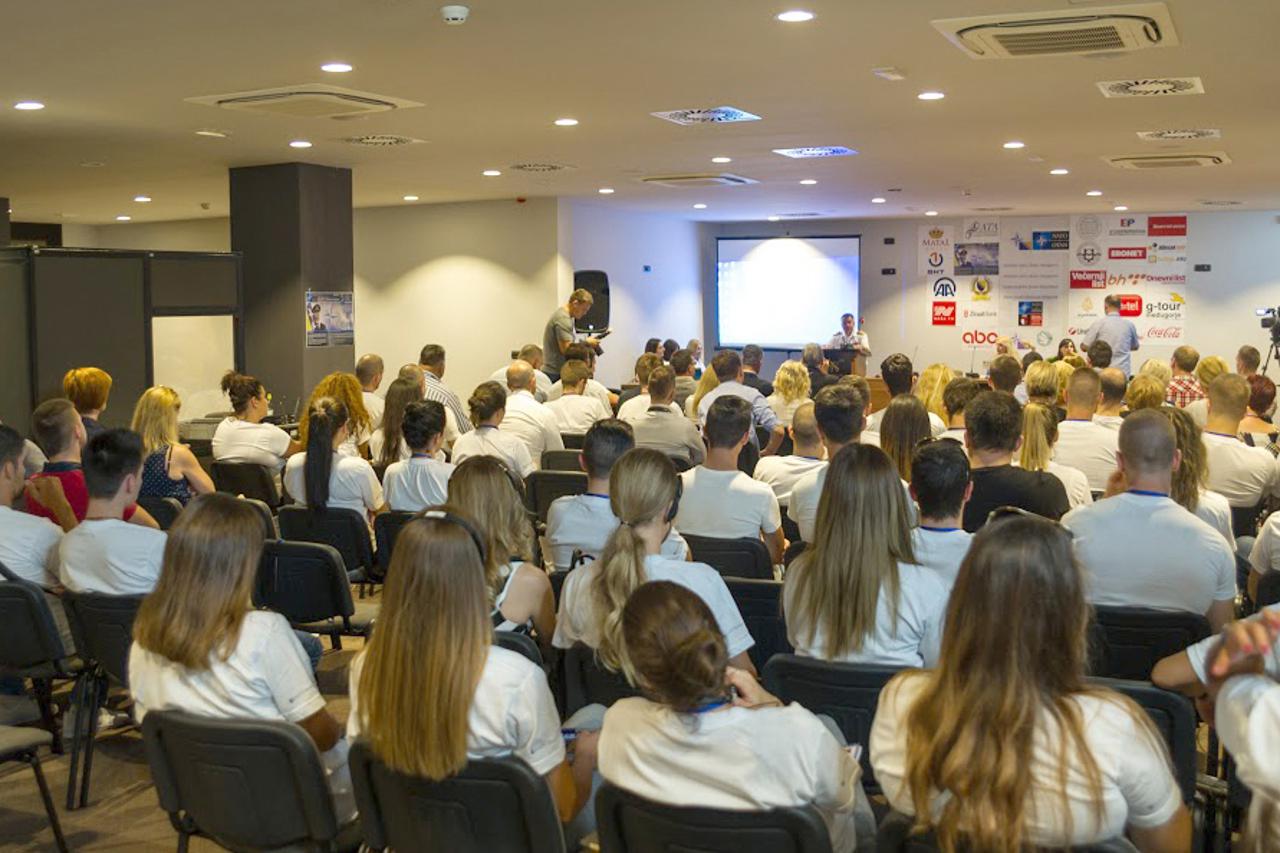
(527, 419)
(781, 473)
(1244, 475)
(1142, 549)
(721, 502)
(574, 410)
(633, 408)
(728, 368)
(422, 480)
(955, 397)
(369, 372)
(837, 413)
(1114, 384)
(899, 377)
(941, 487)
(1081, 443)
(584, 522)
(662, 427)
(532, 355)
(28, 543)
(104, 553)
(585, 354)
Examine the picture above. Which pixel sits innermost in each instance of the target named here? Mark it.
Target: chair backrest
(269, 531)
(557, 579)
(561, 460)
(1244, 519)
(248, 479)
(103, 629)
(1129, 641)
(848, 693)
(1269, 589)
(497, 804)
(164, 510)
(790, 529)
(543, 487)
(586, 681)
(305, 581)
(760, 603)
(631, 824)
(386, 527)
(572, 440)
(519, 643)
(894, 836)
(681, 463)
(29, 638)
(255, 784)
(344, 529)
(733, 558)
(1174, 717)
(750, 457)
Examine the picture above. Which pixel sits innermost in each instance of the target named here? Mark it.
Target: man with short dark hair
(686, 385)
(1120, 334)
(955, 397)
(993, 434)
(940, 487)
(1184, 388)
(1248, 359)
(781, 473)
(104, 553)
(369, 373)
(585, 354)
(719, 500)
(662, 427)
(636, 401)
(1110, 407)
(422, 480)
(561, 331)
(431, 360)
(752, 361)
(1099, 355)
(1004, 373)
(899, 378)
(530, 354)
(28, 543)
(838, 418)
(585, 522)
(728, 368)
(1141, 548)
(1083, 444)
(1242, 474)
(574, 410)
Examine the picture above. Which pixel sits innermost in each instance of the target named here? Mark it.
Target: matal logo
(936, 233)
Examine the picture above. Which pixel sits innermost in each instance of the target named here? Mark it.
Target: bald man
(1141, 548)
(369, 372)
(527, 419)
(782, 473)
(1113, 384)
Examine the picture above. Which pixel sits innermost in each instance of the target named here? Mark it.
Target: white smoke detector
(454, 15)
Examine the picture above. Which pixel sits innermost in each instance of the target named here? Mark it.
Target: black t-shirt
(753, 380)
(1035, 491)
(819, 380)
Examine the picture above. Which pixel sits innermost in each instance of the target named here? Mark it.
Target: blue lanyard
(421, 456)
(594, 495)
(1148, 493)
(710, 706)
(940, 529)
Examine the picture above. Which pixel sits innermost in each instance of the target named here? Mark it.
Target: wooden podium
(847, 361)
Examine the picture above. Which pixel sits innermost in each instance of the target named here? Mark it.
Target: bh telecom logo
(980, 289)
(1130, 305)
(944, 288)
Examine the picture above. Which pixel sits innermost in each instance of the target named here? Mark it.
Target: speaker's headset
(675, 502)
(450, 518)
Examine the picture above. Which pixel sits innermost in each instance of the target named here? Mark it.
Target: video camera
(1267, 317)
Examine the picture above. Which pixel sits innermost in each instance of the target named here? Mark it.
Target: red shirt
(73, 487)
(1184, 390)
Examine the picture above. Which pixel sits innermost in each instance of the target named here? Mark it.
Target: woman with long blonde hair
(856, 594)
(345, 388)
(1004, 746)
(904, 425)
(933, 381)
(1039, 435)
(790, 390)
(644, 494)
(430, 691)
(1041, 381)
(169, 468)
(706, 385)
(1191, 477)
(520, 596)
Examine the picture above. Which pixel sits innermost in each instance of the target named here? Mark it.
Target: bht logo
(1127, 221)
(1130, 305)
(944, 313)
(979, 338)
(935, 260)
(1131, 253)
(944, 288)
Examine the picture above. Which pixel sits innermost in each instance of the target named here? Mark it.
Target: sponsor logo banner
(981, 230)
(975, 337)
(1050, 240)
(944, 313)
(944, 288)
(934, 251)
(1031, 313)
(1088, 279)
(1127, 253)
(1167, 226)
(980, 289)
(977, 259)
(1130, 305)
(1088, 253)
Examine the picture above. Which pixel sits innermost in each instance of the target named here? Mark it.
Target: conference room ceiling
(115, 79)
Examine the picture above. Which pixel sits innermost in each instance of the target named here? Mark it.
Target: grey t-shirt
(559, 328)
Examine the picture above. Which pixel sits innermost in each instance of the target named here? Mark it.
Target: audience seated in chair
(727, 367)
(635, 401)
(896, 371)
(169, 469)
(1083, 444)
(88, 389)
(940, 487)
(585, 354)
(837, 413)
(1040, 431)
(387, 445)
(1110, 412)
(855, 594)
(1191, 478)
(905, 424)
(1183, 386)
(530, 354)
(243, 436)
(431, 361)
(525, 418)
(1004, 746)
(1242, 474)
(955, 396)
(322, 476)
(369, 369)
(344, 388)
(662, 426)
(781, 473)
(574, 410)
(752, 361)
(686, 385)
(422, 480)
(1004, 374)
(790, 390)
(719, 500)
(488, 406)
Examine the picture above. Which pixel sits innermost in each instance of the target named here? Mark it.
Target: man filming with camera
(1120, 333)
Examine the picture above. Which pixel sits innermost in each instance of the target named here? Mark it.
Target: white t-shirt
(941, 550)
(638, 405)
(1074, 482)
(593, 389)
(726, 505)
(533, 424)
(543, 381)
(585, 522)
(576, 413)
(1265, 556)
(937, 426)
(577, 622)
(1199, 411)
(1213, 509)
(914, 640)
(781, 473)
(352, 483)
(111, 556)
(1138, 788)
(1109, 421)
(786, 411)
(416, 483)
(1248, 721)
(376, 442)
(1242, 474)
(375, 406)
(807, 493)
(257, 444)
(512, 712)
(1089, 447)
(955, 433)
(29, 546)
(1147, 551)
(731, 759)
(491, 441)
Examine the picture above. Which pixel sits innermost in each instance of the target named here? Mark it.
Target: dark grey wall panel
(15, 389)
(191, 282)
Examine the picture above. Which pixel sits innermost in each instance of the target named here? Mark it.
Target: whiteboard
(190, 355)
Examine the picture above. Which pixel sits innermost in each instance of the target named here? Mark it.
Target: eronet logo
(1127, 253)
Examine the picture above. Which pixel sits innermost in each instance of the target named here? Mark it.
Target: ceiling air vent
(382, 140)
(815, 151)
(538, 168)
(799, 215)
(1180, 135)
(721, 179)
(1221, 203)
(992, 209)
(308, 100)
(1108, 29)
(706, 115)
(1169, 161)
(1152, 87)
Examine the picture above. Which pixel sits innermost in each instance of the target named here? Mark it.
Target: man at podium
(848, 347)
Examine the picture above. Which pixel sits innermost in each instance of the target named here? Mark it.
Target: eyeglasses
(1006, 512)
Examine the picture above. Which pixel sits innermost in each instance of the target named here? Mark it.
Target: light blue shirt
(1120, 334)
(762, 415)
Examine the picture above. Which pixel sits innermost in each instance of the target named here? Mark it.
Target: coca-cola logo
(1166, 333)
(974, 338)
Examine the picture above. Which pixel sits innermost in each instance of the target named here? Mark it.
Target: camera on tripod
(1267, 317)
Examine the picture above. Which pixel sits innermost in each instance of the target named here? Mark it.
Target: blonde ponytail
(1039, 433)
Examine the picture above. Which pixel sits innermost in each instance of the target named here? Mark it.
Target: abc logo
(979, 338)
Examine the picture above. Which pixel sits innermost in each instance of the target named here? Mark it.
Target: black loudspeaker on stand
(595, 282)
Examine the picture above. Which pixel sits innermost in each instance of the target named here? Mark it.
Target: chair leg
(183, 839)
(34, 761)
(43, 689)
(76, 712)
(98, 695)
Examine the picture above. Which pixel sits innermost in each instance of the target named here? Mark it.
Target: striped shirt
(435, 389)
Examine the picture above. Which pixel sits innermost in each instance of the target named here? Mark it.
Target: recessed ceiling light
(336, 67)
(123, 218)
(795, 16)
(930, 96)
(879, 200)
(721, 159)
(92, 164)
(1120, 208)
(1059, 171)
(808, 182)
(566, 122)
(492, 173)
(774, 218)
(411, 198)
(1014, 144)
(605, 191)
(215, 134)
(1094, 192)
(28, 105)
(931, 213)
(699, 206)
(299, 143)
(142, 199)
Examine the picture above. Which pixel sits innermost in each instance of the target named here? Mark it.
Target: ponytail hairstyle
(1039, 435)
(241, 390)
(1192, 476)
(642, 486)
(400, 394)
(327, 416)
(487, 400)
(675, 648)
